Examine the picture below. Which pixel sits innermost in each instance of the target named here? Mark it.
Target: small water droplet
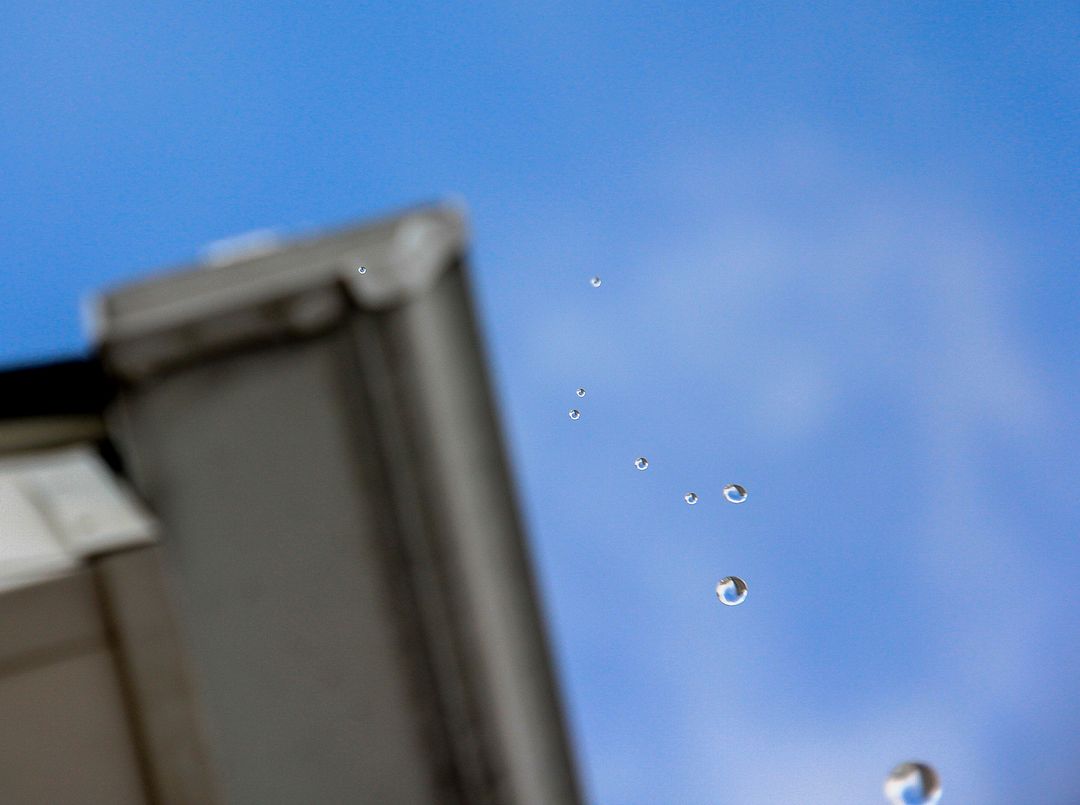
(731, 591)
(581, 392)
(575, 413)
(595, 282)
(641, 463)
(361, 270)
(913, 784)
(735, 493)
(690, 497)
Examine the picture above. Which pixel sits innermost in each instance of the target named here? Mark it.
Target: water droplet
(581, 392)
(362, 270)
(735, 493)
(595, 282)
(690, 497)
(575, 413)
(913, 784)
(641, 463)
(731, 591)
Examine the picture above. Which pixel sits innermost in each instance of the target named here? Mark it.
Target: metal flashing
(337, 507)
(301, 287)
(59, 508)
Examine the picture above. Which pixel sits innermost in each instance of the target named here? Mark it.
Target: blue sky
(839, 251)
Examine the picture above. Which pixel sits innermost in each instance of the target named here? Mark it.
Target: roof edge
(301, 287)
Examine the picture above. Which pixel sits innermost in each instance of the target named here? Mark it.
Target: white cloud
(806, 290)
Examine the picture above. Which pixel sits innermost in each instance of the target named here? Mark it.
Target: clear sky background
(839, 249)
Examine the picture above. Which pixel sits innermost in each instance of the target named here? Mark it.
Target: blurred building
(264, 547)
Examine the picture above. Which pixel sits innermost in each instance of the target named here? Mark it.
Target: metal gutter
(322, 450)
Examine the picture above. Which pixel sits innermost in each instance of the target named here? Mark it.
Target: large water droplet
(641, 463)
(731, 591)
(575, 413)
(595, 282)
(913, 784)
(735, 493)
(361, 270)
(581, 392)
(690, 497)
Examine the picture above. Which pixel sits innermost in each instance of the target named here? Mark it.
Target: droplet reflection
(361, 270)
(641, 463)
(690, 497)
(575, 413)
(731, 591)
(581, 392)
(913, 784)
(735, 493)
(595, 282)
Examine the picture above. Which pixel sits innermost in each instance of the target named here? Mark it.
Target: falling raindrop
(595, 282)
(581, 392)
(913, 784)
(690, 497)
(641, 463)
(362, 270)
(735, 493)
(731, 591)
(575, 413)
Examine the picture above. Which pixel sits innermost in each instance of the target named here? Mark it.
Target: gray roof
(322, 450)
